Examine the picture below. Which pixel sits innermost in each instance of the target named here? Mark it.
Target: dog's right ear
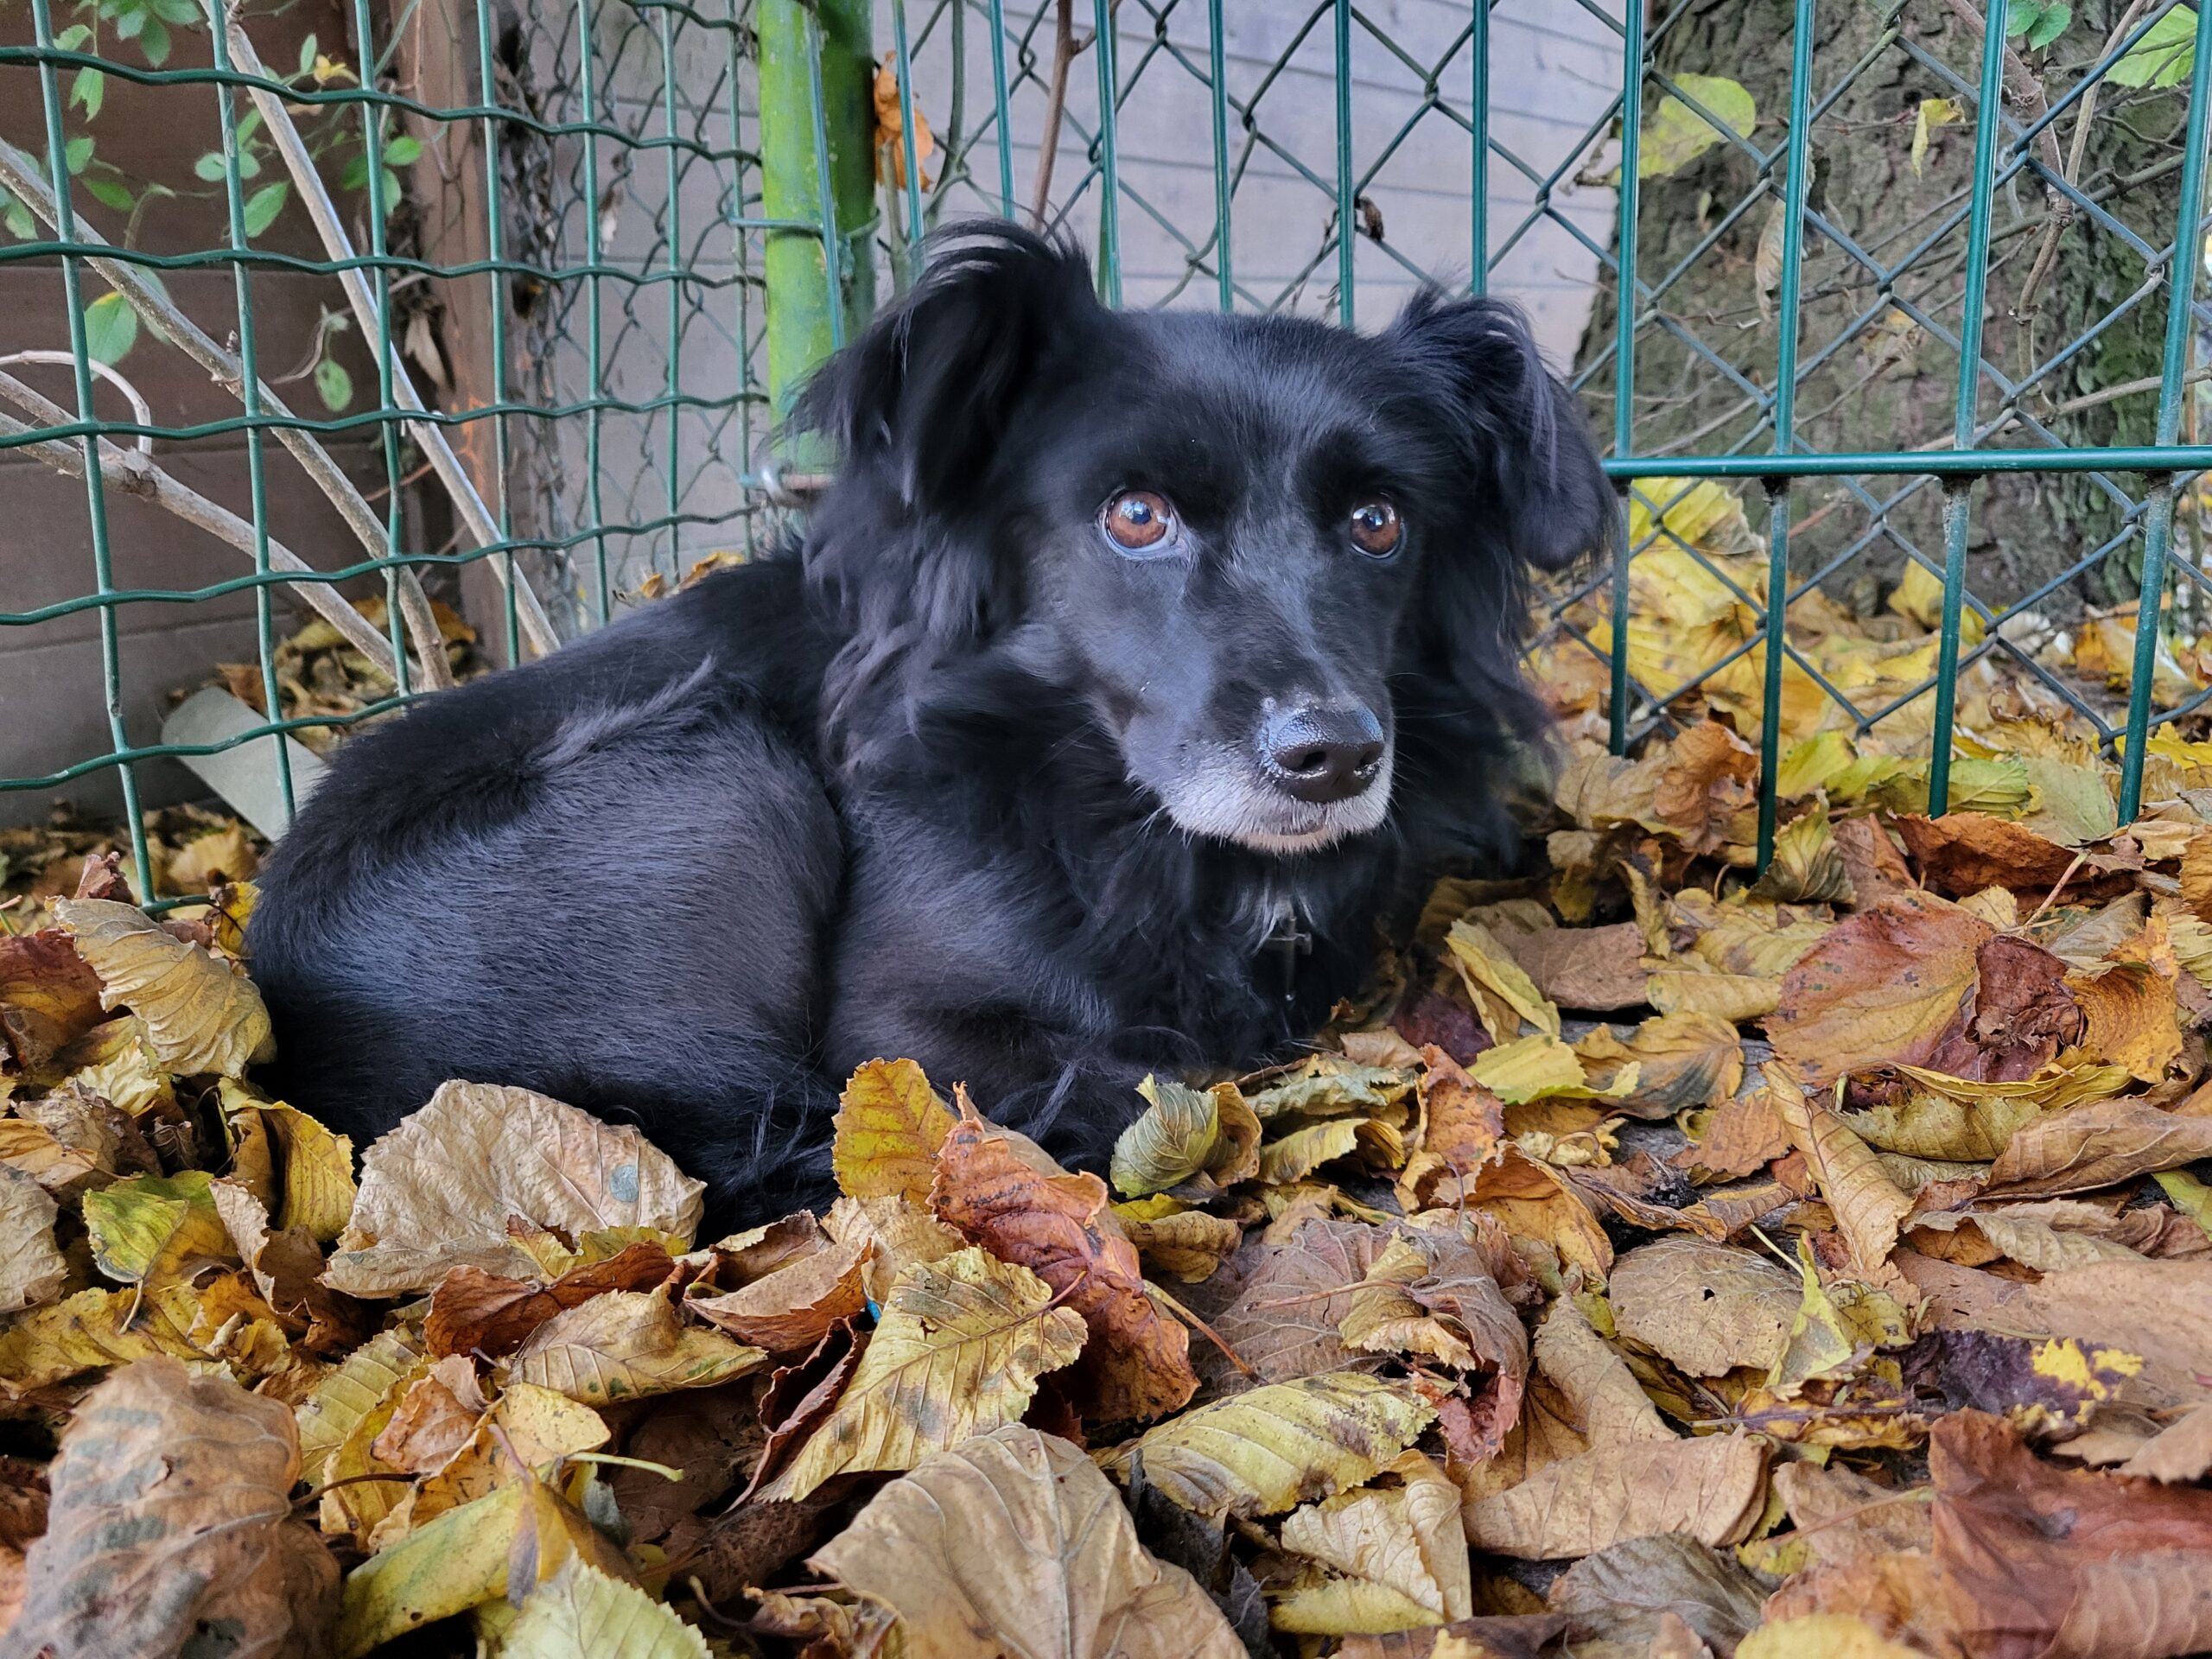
(924, 397)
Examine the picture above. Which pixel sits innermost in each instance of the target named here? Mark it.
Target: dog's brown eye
(1138, 520)
(1375, 528)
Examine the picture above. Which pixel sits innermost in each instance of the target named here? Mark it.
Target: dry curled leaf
(1003, 1194)
(2094, 1145)
(202, 1015)
(1710, 1489)
(31, 1267)
(171, 1517)
(438, 1191)
(1185, 1134)
(1708, 1308)
(1888, 985)
(624, 1344)
(1394, 1555)
(788, 1311)
(1013, 1544)
(1868, 1209)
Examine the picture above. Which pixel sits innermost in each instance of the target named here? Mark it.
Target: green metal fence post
(817, 167)
(1626, 305)
(1988, 116)
(2181, 296)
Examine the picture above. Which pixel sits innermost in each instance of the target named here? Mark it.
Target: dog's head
(1232, 538)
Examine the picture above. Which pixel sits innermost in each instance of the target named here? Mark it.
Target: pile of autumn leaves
(1849, 1293)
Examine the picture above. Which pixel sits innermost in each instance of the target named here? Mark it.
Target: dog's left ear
(1524, 440)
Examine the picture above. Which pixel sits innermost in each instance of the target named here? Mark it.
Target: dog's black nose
(1323, 752)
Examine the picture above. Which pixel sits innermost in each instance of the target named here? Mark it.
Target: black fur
(925, 784)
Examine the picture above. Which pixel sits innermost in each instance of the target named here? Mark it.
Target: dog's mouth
(1222, 796)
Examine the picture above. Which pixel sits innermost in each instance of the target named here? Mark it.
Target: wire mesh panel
(460, 325)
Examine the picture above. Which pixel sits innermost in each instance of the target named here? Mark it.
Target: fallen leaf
(1868, 1209)
(788, 1311)
(202, 1015)
(1502, 992)
(1264, 1451)
(581, 1613)
(2065, 1562)
(1953, 1119)
(1605, 1403)
(1292, 1297)
(526, 1434)
(2043, 1388)
(1823, 1635)
(369, 1375)
(1301, 1152)
(1682, 1061)
(437, 1193)
(1177, 1241)
(507, 1540)
(897, 1231)
(1742, 1134)
(31, 1267)
(1619, 1594)
(2134, 1018)
(49, 997)
(1707, 1308)
(1185, 1132)
(888, 1128)
(1712, 1489)
(1014, 1542)
(153, 1229)
(1807, 867)
(623, 1344)
(2182, 1451)
(473, 1311)
(1596, 970)
(1136, 1361)
(958, 1351)
(1887, 986)
(1492, 1636)
(1427, 1295)
(2094, 1145)
(1961, 853)
(1399, 1545)
(312, 1183)
(171, 1514)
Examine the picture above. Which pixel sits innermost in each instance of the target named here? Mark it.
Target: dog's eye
(1138, 521)
(1376, 529)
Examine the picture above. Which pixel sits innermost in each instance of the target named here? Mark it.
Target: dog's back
(662, 773)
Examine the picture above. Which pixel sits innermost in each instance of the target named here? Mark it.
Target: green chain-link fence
(473, 306)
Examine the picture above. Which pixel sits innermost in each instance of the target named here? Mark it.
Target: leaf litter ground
(1669, 1260)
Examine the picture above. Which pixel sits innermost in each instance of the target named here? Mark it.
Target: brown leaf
(1014, 1542)
(2160, 1312)
(712, 1436)
(1889, 985)
(2065, 1562)
(1707, 781)
(172, 1513)
(2043, 1388)
(1961, 853)
(473, 1311)
(1868, 1209)
(800, 1397)
(1291, 1298)
(2100, 1144)
(1533, 1201)
(1136, 1364)
(1176, 1240)
(1620, 1594)
(439, 1190)
(1683, 1060)
(1598, 970)
(897, 1231)
(1876, 868)
(49, 997)
(788, 1311)
(1708, 1308)
(1712, 1489)
(2181, 1452)
(1743, 1134)
(1508, 1636)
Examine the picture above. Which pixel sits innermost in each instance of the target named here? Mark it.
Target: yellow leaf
(1734, 998)
(889, 1125)
(317, 1167)
(1504, 995)
(1868, 1209)
(624, 1344)
(896, 1233)
(1326, 1085)
(464, 1558)
(1812, 765)
(1263, 1451)
(150, 1229)
(370, 1375)
(582, 1613)
(538, 1426)
(2133, 1019)
(1298, 1154)
(1016, 1534)
(95, 1329)
(1674, 134)
(1835, 1328)
(1185, 1132)
(1404, 1539)
(1959, 1119)
(1934, 112)
(1683, 1061)
(1706, 1308)
(1540, 1066)
(1177, 1241)
(31, 1267)
(202, 1015)
(1808, 867)
(958, 1353)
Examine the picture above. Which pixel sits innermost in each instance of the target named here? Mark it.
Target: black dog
(1129, 657)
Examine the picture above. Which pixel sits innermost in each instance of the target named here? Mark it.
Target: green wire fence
(516, 293)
